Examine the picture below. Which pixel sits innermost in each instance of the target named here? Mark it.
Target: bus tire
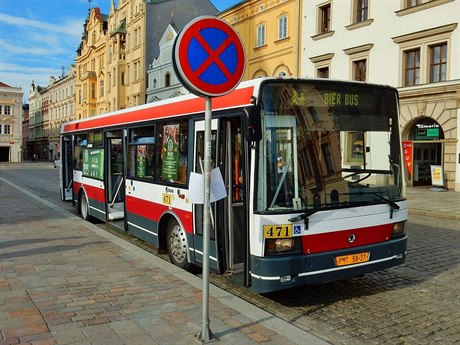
(84, 207)
(176, 243)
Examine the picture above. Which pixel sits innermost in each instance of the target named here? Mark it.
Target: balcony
(88, 75)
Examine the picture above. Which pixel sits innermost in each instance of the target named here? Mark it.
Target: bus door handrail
(120, 177)
(68, 187)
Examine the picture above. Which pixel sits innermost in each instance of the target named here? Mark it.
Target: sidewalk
(424, 201)
(66, 281)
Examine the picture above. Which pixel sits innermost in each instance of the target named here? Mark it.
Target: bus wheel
(84, 207)
(177, 245)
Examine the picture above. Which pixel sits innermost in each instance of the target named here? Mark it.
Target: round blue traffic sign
(208, 57)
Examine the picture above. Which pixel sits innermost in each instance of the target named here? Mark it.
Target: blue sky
(40, 37)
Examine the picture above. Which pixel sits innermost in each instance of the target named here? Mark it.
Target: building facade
(165, 19)
(61, 108)
(25, 133)
(270, 33)
(162, 81)
(413, 45)
(10, 123)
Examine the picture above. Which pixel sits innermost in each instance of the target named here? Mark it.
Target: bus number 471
(278, 231)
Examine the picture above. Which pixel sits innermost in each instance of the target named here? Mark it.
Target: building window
(282, 27)
(136, 70)
(412, 3)
(93, 90)
(361, 10)
(260, 35)
(167, 79)
(325, 18)
(101, 88)
(329, 160)
(322, 72)
(412, 67)
(7, 129)
(438, 62)
(7, 110)
(359, 70)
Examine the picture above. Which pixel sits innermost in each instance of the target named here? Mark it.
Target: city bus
(312, 170)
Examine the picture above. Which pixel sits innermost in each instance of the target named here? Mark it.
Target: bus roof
(172, 107)
(185, 105)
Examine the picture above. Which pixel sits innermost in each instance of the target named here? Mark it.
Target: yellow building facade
(110, 61)
(269, 31)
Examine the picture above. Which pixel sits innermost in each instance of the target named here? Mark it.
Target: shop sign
(408, 156)
(427, 131)
(437, 176)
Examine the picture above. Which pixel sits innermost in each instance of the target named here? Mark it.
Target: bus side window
(173, 148)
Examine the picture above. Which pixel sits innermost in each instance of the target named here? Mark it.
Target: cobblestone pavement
(416, 303)
(65, 281)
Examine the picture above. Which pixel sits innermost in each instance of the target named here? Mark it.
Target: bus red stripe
(335, 240)
(154, 211)
(236, 98)
(94, 193)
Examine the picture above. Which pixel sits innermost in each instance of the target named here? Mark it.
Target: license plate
(278, 231)
(351, 259)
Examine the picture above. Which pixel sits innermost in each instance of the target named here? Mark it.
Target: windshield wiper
(394, 206)
(335, 206)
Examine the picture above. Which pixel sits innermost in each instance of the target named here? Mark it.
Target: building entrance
(425, 155)
(425, 135)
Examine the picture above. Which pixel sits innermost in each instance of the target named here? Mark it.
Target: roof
(4, 85)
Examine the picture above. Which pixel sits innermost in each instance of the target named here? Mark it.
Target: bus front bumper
(283, 272)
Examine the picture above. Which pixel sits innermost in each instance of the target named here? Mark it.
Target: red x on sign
(208, 57)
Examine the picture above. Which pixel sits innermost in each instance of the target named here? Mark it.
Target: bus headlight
(281, 245)
(399, 230)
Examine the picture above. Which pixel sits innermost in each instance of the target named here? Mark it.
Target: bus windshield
(327, 144)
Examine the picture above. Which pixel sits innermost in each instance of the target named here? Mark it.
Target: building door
(426, 154)
(427, 149)
(4, 154)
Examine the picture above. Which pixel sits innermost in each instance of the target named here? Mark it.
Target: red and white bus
(312, 170)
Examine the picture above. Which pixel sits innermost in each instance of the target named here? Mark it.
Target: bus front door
(65, 169)
(115, 180)
(228, 226)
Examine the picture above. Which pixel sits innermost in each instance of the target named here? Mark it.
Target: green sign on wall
(93, 163)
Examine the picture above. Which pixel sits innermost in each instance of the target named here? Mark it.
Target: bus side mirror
(253, 124)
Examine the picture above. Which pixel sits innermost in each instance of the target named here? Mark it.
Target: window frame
(261, 35)
(361, 12)
(412, 70)
(282, 26)
(440, 65)
(324, 18)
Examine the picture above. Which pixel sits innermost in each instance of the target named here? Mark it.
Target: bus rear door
(228, 229)
(115, 179)
(65, 169)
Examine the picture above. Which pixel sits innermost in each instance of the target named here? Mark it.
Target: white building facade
(413, 45)
(162, 80)
(10, 123)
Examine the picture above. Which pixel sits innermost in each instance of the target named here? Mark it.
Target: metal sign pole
(206, 335)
